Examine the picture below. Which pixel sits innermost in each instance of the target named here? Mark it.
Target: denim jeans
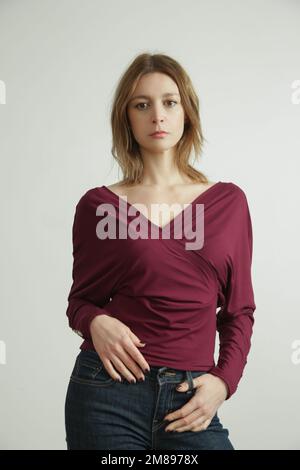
(103, 414)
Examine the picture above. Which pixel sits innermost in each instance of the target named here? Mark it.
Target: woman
(143, 298)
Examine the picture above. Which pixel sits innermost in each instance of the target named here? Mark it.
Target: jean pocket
(90, 370)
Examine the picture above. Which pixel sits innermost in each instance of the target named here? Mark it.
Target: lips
(159, 133)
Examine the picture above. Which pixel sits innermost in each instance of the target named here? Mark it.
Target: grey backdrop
(59, 63)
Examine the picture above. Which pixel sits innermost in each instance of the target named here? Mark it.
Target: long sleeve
(235, 318)
(91, 286)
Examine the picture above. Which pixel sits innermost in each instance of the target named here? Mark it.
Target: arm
(235, 319)
(91, 286)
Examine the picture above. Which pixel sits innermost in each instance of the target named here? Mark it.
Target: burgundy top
(174, 299)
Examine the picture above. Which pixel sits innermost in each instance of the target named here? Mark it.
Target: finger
(202, 426)
(191, 424)
(184, 386)
(205, 425)
(181, 413)
(134, 352)
(197, 382)
(127, 367)
(135, 339)
(115, 367)
(111, 370)
(196, 414)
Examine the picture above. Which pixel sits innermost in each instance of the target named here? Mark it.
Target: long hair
(125, 148)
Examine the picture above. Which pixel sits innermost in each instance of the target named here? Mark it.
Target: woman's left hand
(196, 415)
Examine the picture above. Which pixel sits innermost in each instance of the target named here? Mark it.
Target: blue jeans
(103, 414)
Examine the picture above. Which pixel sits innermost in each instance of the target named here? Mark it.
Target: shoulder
(86, 207)
(237, 192)
(90, 198)
(233, 187)
(234, 200)
(239, 217)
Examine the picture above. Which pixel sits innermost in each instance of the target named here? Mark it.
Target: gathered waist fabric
(182, 337)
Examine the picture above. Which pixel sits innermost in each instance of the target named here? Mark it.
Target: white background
(60, 61)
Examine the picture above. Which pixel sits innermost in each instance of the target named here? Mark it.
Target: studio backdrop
(60, 61)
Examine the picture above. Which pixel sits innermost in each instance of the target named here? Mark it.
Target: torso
(179, 194)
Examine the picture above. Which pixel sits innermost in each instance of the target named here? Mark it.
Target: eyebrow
(146, 97)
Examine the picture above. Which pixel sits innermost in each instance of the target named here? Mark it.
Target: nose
(158, 119)
(158, 115)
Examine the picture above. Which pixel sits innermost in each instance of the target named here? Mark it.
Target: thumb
(182, 387)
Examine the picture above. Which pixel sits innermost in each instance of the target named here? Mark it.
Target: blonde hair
(125, 148)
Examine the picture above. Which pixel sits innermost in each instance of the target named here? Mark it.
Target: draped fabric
(173, 298)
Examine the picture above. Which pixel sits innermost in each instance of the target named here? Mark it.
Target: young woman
(145, 298)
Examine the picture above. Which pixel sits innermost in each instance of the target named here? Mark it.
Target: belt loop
(162, 369)
(190, 382)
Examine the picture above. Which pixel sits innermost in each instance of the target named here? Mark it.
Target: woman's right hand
(117, 347)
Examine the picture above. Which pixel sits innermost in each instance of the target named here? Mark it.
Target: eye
(168, 101)
(172, 102)
(139, 104)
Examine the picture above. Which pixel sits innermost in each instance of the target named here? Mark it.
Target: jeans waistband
(169, 375)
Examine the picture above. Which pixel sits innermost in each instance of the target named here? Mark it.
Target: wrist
(223, 384)
(97, 319)
(225, 387)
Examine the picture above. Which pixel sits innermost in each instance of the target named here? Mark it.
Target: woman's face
(156, 112)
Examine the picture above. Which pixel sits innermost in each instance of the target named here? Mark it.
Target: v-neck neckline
(171, 221)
